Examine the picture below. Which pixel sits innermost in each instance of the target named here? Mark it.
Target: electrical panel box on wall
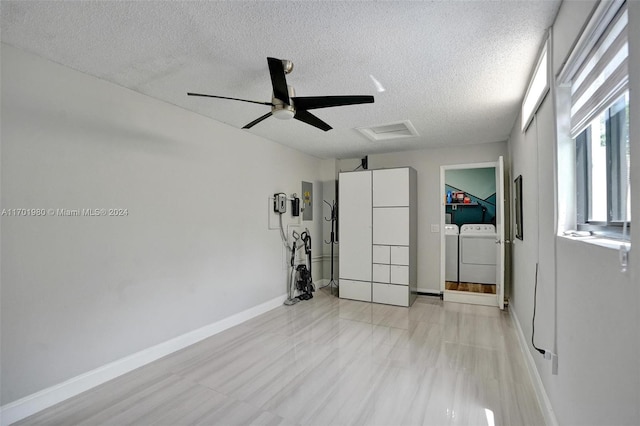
(307, 195)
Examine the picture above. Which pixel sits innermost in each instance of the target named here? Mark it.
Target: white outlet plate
(435, 228)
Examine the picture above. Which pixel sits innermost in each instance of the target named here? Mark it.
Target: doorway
(472, 241)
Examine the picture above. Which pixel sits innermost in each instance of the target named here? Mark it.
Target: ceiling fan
(286, 105)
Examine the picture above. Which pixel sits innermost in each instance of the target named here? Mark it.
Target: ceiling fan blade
(233, 99)
(257, 120)
(307, 117)
(312, 102)
(278, 80)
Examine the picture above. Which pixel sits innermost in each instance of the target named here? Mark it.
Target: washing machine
(478, 253)
(451, 233)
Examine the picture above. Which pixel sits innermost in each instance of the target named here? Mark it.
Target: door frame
(456, 296)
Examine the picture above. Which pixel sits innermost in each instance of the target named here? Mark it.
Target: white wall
(588, 311)
(427, 163)
(80, 292)
(532, 157)
(480, 183)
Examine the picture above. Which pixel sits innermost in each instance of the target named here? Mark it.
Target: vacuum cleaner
(300, 278)
(304, 281)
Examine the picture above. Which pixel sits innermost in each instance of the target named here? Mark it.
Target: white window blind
(600, 75)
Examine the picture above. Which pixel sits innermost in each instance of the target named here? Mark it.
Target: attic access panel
(397, 130)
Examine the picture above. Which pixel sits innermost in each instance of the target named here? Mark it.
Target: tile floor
(329, 361)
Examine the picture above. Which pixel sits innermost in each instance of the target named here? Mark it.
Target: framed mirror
(518, 205)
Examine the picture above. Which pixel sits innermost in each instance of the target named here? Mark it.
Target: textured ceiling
(457, 70)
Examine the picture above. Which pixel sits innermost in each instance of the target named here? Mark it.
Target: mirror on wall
(518, 204)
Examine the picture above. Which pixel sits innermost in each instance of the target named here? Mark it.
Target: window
(602, 170)
(598, 76)
(537, 90)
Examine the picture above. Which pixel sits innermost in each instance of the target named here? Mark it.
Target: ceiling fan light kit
(286, 105)
(283, 112)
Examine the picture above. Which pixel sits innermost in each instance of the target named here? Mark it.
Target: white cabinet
(381, 273)
(399, 255)
(354, 216)
(399, 274)
(381, 254)
(390, 294)
(390, 187)
(356, 290)
(378, 232)
(391, 226)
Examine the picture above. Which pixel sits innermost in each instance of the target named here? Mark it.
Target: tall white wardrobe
(377, 235)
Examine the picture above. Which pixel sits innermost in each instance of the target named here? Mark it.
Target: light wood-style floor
(329, 361)
(470, 287)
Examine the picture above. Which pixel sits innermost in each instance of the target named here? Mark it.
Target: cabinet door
(355, 225)
(399, 274)
(400, 255)
(390, 294)
(390, 226)
(381, 254)
(381, 273)
(355, 290)
(391, 188)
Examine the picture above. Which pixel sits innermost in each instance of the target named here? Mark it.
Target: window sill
(599, 241)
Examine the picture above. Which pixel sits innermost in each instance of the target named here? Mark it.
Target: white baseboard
(31, 404)
(541, 393)
(321, 283)
(429, 291)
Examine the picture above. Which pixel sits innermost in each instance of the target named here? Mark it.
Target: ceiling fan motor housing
(287, 65)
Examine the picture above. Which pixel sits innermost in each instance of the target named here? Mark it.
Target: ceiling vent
(398, 130)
